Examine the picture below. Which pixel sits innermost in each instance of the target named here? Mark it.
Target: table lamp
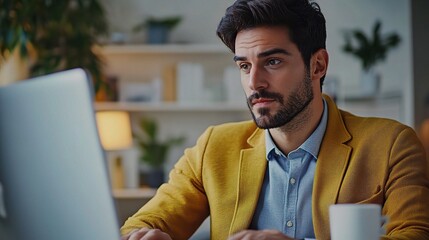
(114, 128)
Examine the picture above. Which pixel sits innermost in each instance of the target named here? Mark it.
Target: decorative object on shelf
(370, 50)
(154, 152)
(111, 91)
(158, 29)
(148, 91)
(114, 128)
(53, 35)
(234, 90)
(190, 82)
(118, 38)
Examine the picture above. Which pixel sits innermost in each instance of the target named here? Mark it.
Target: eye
(273, 62)
(244, 67)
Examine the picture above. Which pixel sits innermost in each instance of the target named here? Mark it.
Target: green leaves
(369, 49)
(14, 28)
(62, 33)
(154, 152)
(168, 22)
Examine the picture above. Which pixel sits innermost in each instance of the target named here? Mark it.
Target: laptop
(54, 181)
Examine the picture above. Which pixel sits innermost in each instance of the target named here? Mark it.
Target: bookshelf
(164, 65)
(172, 107)
(165, 49)
(135, 64)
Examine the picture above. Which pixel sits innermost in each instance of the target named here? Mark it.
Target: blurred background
(161, 63)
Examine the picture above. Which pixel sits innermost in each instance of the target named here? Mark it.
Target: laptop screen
(53, 176)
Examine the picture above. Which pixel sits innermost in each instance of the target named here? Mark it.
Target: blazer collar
(332, 162)
(250, 178)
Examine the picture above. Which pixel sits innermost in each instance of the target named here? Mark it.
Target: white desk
(134, 193)
(128, 201)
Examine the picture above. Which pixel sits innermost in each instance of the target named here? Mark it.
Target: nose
(257, 79)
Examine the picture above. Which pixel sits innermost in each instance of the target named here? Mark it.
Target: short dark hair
(305, 21)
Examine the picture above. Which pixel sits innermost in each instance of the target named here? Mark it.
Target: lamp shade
(114, 128)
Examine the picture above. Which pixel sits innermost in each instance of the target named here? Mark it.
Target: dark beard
(289, 109)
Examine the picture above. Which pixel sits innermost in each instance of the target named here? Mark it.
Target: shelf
(165, 49)
(352, 97)
(138, 193)
(171, 107)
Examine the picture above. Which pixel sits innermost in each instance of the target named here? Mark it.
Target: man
(275, 177)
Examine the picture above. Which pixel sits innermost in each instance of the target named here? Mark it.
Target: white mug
(356, 221)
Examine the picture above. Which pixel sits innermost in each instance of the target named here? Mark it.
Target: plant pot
(153, 177)
(370, 83)
(130, 164)
(13, 68)
(157, 34)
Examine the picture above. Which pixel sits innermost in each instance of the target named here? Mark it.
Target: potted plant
(53, 35)
(154, 152)
(158, 29)
(370, 50)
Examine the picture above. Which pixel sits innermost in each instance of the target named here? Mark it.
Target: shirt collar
(311, 145)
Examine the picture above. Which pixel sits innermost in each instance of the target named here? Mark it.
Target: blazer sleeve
(407, 189)
(179, 206)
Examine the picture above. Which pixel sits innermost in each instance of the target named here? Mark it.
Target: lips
(262, 101)
(263, 98)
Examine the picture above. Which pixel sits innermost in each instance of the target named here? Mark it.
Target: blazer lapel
(250, 178)
(331, 166)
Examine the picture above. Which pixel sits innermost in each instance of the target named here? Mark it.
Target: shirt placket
(294, 165)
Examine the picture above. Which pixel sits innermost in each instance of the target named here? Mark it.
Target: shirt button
(292, 181)
(289, 223)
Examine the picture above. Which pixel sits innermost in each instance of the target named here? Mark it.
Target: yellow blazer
(361, 160)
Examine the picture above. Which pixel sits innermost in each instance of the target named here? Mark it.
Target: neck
(293, 134)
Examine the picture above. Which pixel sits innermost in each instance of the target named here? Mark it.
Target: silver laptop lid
(53, 175)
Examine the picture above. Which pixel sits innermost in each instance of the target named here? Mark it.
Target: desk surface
(133, 193)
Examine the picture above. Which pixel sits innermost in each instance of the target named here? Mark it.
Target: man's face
(273, 74)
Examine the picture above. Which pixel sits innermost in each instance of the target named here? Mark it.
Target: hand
(146, 234)
(260, 235)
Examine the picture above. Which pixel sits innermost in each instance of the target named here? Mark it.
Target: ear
(319, 64)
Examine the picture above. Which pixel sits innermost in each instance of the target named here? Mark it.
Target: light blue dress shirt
(285, 200)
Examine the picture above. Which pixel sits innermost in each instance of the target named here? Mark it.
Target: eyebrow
(264, 54)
